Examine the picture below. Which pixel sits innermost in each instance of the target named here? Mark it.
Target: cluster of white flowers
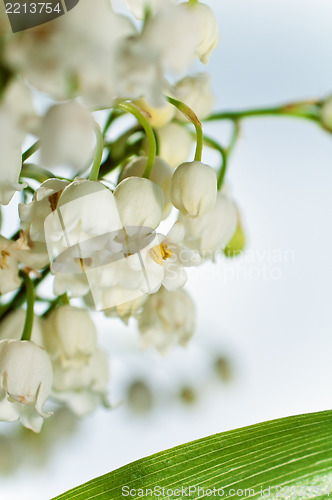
(101, 242)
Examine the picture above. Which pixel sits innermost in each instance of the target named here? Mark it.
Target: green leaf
(292, 456)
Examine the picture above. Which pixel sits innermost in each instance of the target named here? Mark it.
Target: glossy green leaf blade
(291, 456)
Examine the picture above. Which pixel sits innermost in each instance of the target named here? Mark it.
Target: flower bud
(194, 188)
(161, 174)
(25, 381)
(140, 202)
(70, 335)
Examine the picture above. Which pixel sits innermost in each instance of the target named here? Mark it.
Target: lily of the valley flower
(83, 388)
(167, 319)
(194, 188)
(44, 202)
(25, 382)
(13, 253)
(210, 233)
(208, 30)
(70, 336)
(140, 202)
(161, 174)
(67, 136)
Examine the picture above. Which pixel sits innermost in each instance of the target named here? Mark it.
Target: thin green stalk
(114, 114)
(226, 155)
(29, 152)
(94, 173)
(59, 301)
(32, 171)
(309, 110)
(30, 298)
(131, 108)
(189, 113)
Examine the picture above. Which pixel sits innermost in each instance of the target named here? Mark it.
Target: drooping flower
(210, 233)
(161, 174)
(83, 388)
(140, 202)
(167, 319)
(208, 30)
(67, 136)
(70, 336)
(194, 188)
(25, 382)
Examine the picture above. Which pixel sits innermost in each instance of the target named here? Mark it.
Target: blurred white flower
(138, 7)
(208, 30)
(124, 309)
(73, 54)
(194, 188)
(83, 389)
(17, 117)
(211, 232)
(167, 319)
(67, 135)
(161, 174)
(12, 327)
(195, 92)
(25, 382)
(70, 336)
(175, 143)
(140, 202)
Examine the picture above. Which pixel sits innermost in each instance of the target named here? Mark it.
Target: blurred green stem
(30, 299)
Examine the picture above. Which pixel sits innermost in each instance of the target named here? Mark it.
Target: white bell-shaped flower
(195, 92)
(44, 202)
(83, 389)
(208, 30)
(211, 232)
(25, 382)
(67, 136)
(140, 202)
(175, 143)
(12, 327)
(194, 188)
(167, 319)
(161, 174)
(70, 335)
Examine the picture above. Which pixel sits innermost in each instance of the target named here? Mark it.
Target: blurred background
(262, 348)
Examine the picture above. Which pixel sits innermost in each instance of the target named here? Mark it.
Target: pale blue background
(278, 332)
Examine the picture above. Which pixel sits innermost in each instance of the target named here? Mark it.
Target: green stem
(30, 298)
(226, 155)
(131, 108)
(94, 174)
(20, 296)
(189, 113)
(309, 110)
(59, 301)
(29, 152)
(31, 171)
